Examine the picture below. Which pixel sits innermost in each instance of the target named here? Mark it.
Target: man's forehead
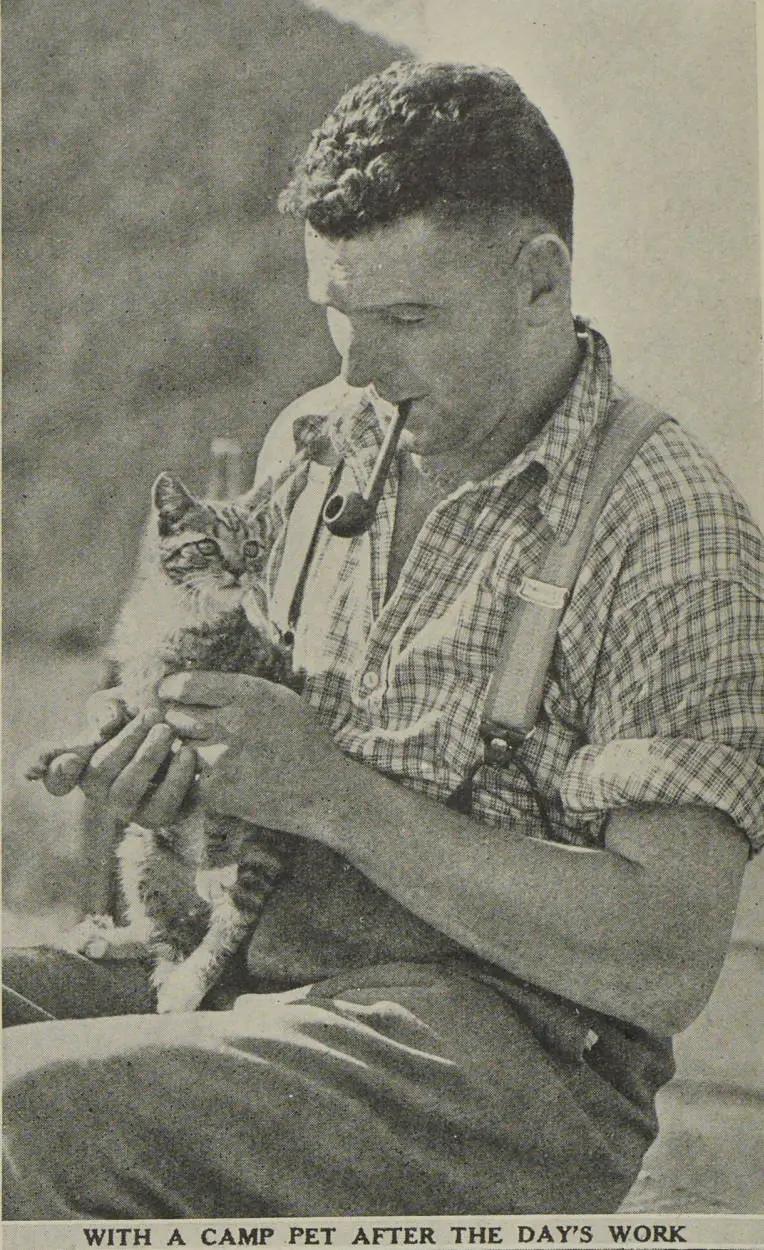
(378, 266)
(414, 258)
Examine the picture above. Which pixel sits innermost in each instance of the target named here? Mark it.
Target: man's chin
(417, 436)
(425, 442)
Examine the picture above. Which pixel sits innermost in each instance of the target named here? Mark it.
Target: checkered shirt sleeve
(676, 710)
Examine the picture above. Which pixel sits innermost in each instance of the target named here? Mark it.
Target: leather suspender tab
(546, 594)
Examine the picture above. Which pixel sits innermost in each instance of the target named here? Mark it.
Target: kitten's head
(214, 550)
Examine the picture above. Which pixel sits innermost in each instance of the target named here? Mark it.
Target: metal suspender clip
(500, 743)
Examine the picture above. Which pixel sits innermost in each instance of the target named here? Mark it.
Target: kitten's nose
(234, 568)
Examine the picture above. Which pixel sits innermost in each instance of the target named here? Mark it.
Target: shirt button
(370, 680)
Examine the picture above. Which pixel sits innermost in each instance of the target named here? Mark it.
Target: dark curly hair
(449, 139)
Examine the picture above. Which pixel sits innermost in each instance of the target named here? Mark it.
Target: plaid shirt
(654, 694)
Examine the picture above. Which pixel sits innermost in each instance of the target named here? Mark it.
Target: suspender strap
(515, 692)
(299, 547)
(295, 605)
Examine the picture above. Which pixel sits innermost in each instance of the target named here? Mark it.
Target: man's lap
(406, 1089)
(44, 982)
(40, 982)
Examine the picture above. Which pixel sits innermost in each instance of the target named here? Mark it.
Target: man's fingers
(110, 759)
(105, 713)
(205, 689)
(163, 804)
(190, 722)
(130, 787)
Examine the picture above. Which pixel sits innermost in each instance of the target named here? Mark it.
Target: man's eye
(207, 546)
(407, 316)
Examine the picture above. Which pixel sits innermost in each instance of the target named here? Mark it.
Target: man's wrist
(355, 801)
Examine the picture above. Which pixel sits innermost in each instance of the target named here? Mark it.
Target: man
(501, 1048)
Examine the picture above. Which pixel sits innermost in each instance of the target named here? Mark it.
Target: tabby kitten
(193, 891)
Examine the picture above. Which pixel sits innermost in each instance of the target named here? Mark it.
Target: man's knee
(32, 1048)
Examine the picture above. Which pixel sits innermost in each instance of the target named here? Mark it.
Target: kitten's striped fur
(194, 891)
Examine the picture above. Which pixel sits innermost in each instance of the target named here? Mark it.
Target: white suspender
(515, 692)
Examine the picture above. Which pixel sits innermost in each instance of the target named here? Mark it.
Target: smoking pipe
(348, 515)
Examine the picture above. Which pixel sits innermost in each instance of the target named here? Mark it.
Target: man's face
(430, 314)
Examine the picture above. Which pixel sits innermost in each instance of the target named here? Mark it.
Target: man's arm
(637, 930)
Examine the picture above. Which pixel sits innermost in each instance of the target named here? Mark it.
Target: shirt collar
(356, 430)
(565, 448)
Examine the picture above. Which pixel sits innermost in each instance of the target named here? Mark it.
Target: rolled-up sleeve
(678, 710)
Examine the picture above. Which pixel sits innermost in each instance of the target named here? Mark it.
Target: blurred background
(154, 299)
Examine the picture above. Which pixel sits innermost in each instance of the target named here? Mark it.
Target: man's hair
(454, 140)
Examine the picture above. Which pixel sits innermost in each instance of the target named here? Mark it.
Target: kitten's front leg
(164, 978)
(182, 986)
(60, 768)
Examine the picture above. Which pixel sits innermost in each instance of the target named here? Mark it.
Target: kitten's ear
(171, 502)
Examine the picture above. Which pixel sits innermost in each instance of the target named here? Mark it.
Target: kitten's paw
(213, 884)
(59, 769)
(99, 938)
(37, 769)
(90, 937)
(176, 989)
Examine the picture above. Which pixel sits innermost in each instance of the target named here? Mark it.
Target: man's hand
(120, 775)
(278, 767)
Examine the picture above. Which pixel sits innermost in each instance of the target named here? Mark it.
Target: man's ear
(547, 264)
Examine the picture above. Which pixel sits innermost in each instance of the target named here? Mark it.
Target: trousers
(404, 1088)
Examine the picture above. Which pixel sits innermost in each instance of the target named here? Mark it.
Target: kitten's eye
(207, 547)
(251, 549)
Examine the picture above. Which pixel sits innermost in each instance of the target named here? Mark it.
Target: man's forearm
(637, 930)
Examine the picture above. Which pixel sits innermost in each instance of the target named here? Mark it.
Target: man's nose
(363, 359)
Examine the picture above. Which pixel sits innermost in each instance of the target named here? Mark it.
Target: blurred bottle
(227, 471)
